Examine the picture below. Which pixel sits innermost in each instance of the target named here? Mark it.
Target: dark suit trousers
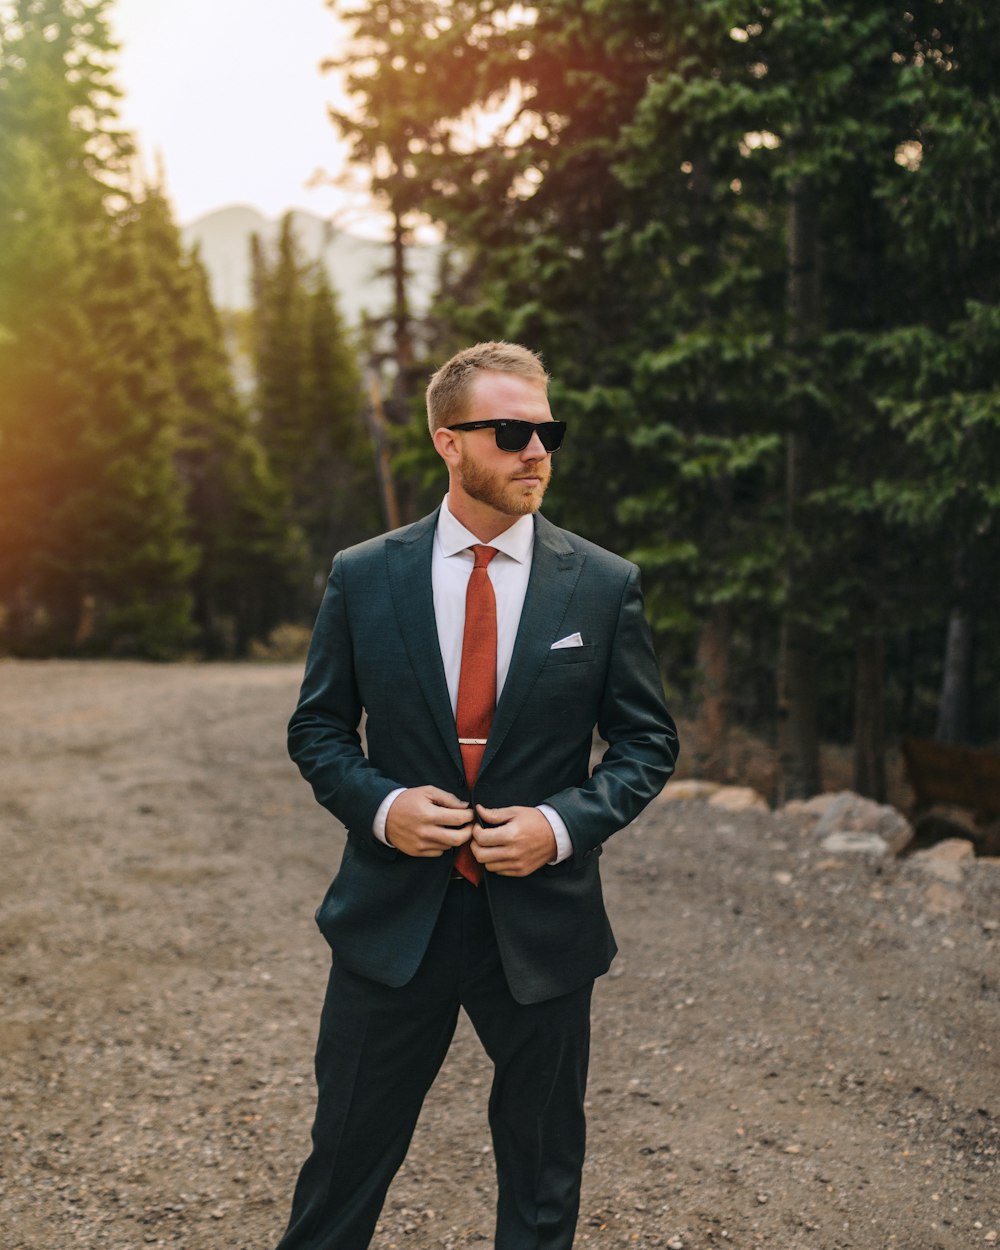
(379, 1050)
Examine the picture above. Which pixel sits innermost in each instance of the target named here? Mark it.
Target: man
(484, 644)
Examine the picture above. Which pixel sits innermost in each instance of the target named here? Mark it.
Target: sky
(228, 95)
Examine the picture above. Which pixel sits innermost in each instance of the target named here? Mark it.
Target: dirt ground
(793, 1049)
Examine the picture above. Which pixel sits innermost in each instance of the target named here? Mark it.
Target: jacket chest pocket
(569, 685)
(567, 657)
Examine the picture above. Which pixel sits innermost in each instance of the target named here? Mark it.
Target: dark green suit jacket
(375, 649)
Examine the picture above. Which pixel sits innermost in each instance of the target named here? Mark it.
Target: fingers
(444, 811)
(518, 842)
(426, 821)
(428, 841)
(450, 817)
(497, 815)
(442, 798)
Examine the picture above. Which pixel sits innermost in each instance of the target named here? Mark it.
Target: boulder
(847, 813)
(819, 803)
(688, 788)
(738, 799)
(798, 808)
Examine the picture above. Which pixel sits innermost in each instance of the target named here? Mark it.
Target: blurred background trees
(145, 507)
(307, 408)
(756, 245)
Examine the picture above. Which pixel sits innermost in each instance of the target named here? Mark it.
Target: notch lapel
(408, 556)
(555, 569)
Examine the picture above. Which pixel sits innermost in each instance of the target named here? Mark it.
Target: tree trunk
(713, 680)
(380, 449)
(907, 668)
(954, 722)
(798, 740)
(869, 716)
(402, 330)
(798, 736)
(398, 404)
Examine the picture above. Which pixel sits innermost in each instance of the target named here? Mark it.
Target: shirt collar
(453, 537)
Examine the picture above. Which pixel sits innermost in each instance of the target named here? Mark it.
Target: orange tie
(477, 684)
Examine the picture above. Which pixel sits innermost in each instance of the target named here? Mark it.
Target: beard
(500, 491)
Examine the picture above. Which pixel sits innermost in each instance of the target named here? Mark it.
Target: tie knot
(483, 555)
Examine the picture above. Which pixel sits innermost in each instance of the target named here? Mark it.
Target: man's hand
(427, 821)
(519, 840)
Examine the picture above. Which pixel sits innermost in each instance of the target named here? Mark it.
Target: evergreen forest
(758, 246)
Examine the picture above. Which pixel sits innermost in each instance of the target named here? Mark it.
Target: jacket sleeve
(323, 737)
(640, 733)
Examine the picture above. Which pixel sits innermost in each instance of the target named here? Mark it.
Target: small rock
(784, 878)
(946, 860)
(688, 788)
(738, 799)
(843, 843)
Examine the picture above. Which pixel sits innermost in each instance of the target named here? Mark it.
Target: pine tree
(243, 581)
(395, 120)
(309, 406)
(92, 547)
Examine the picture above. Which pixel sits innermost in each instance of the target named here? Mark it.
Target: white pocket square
(571, 640)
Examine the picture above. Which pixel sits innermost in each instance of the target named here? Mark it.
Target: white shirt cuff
(382, 815)
(564, 845)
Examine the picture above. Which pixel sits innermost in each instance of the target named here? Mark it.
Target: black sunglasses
(516, 435)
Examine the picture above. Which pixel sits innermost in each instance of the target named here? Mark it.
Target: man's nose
(534, 450)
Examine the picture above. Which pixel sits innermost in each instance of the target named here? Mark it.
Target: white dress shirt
(452, 562)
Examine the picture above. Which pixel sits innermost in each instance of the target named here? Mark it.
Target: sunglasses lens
(513, 435)
(551, 434)
(516, 435)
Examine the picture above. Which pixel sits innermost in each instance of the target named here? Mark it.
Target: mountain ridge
(356, 266)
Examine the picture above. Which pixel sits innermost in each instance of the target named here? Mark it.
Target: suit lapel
(555, 568)
(409, 562)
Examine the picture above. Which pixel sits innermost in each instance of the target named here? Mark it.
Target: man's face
(510, 482)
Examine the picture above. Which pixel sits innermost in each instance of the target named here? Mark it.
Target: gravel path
(792, 1050)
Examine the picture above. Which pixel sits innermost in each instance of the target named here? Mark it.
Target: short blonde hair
(448, 391)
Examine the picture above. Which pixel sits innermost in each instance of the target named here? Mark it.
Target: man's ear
(446, 446)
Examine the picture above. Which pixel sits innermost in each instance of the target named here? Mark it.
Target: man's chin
(526, 500)
(514, 499)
